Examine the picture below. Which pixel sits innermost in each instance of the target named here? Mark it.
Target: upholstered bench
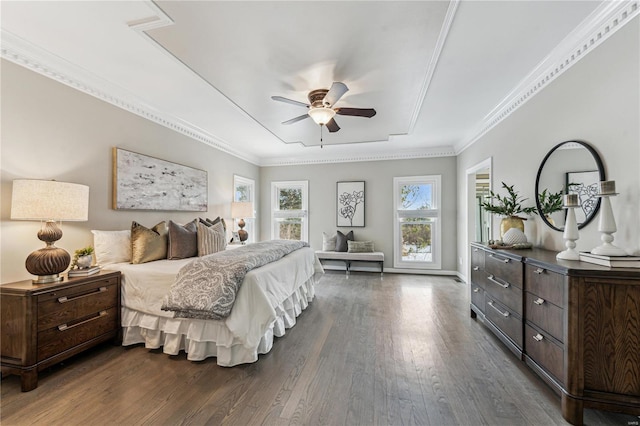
(347, 258)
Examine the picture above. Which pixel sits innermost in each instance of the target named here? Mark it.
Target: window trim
(435, 213)
(279, 214)
(250, 223)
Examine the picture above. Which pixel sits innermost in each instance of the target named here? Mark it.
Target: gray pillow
(211, 239)
(341, 240)
(328, 242)
(183, 240)
(360, 246)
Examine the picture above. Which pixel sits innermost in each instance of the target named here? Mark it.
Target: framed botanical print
(350, 204)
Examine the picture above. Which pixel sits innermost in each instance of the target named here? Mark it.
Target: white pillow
(112, 246)
(329, 242)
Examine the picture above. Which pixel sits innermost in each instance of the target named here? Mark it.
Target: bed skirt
(202, 339)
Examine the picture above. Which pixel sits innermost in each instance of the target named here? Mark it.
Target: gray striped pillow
(360, 246)
(211, 239)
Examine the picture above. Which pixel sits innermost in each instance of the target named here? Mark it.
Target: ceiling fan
(321, 110)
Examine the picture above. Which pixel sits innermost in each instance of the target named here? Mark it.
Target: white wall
(596, 101)
(51, 131)
(378, 177)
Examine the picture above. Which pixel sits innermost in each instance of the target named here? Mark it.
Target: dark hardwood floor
(398, 350)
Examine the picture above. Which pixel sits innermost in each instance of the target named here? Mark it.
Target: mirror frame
(601, 171)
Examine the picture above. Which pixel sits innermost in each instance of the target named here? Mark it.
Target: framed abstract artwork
(141, 182)
(350, 204)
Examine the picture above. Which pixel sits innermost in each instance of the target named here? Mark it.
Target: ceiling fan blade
(290, 101)
(332, 126)
(335, 93)
(357, 112)
(296, 119)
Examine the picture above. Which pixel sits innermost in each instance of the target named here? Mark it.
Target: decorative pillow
(341, 240)
(112, 246)
(148, 244)
(211, 239)
(328, 242)
(360, 246)
(216, 220)
(183, 240)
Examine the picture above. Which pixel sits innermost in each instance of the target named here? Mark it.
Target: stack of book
(83, 272)
(611, 261)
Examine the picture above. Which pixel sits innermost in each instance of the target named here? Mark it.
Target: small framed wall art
(141, 182)
(350, 204)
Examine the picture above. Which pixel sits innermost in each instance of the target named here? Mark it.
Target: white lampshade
(241, 209)
(321, 115)
(49, 200)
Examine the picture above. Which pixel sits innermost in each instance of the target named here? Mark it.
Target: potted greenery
(82, 258)
(509, 207)
(550, 202)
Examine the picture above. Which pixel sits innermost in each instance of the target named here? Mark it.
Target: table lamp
(242, 210)
(49, 201)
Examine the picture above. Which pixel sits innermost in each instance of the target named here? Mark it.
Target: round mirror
(572, 167)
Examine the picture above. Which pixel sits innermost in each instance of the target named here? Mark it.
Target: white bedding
(268, 302)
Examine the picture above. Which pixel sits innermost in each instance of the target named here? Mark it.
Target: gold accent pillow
(148, 244)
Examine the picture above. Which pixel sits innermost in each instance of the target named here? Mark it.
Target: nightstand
(43, 324)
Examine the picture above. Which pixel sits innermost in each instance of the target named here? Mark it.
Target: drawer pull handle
(475, 290)
(64, 299)
(476, 268)
(492, 279)
(539, 301)
(64, 327)
(538, 271)
(475, 249)
(538, 337)
(501, 260)
(504, 314)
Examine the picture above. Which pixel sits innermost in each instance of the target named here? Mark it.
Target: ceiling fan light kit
(321, 115)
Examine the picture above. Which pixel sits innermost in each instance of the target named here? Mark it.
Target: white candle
(607, 187)
(571, 200)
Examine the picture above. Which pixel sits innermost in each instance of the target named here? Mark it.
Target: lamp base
(243, 235)
(47, 263)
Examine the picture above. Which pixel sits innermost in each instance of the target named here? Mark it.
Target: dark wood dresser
(43, 324)
(577, 325)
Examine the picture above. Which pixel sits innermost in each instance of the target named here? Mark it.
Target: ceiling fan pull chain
(321, 136)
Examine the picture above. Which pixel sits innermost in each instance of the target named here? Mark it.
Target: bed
(267, 303)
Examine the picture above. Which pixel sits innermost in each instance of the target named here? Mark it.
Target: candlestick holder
(607, 226)
(570, 236)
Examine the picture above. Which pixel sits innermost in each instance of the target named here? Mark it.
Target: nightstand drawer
(62, 306)
(65, 336)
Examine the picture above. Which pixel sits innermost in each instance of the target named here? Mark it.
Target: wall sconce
(241, 211)
(49, 201)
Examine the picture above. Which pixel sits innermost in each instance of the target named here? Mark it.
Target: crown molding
(601, 24)
(34, 58)
(446, 151)
(442, 37)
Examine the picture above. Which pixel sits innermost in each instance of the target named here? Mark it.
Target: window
(289, 204)
(244, 190)
(417, 222)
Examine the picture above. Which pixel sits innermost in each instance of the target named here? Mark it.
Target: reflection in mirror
(570, 167)
(483, 223)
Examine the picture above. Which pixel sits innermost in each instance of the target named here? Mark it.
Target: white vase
(84, 261)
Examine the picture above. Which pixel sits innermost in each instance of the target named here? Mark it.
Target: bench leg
(348, 266)
(381, 268)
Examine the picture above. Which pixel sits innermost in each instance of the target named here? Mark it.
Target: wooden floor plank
(392, 351)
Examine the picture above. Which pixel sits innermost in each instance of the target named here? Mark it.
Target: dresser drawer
(505, 292)
(477, 296)
(62, 306)
(477, 257)
(544, 352)
(65, 336)
(544, 283)
(504, 319)
(478, 276)
(505, 268)
(544, 315)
